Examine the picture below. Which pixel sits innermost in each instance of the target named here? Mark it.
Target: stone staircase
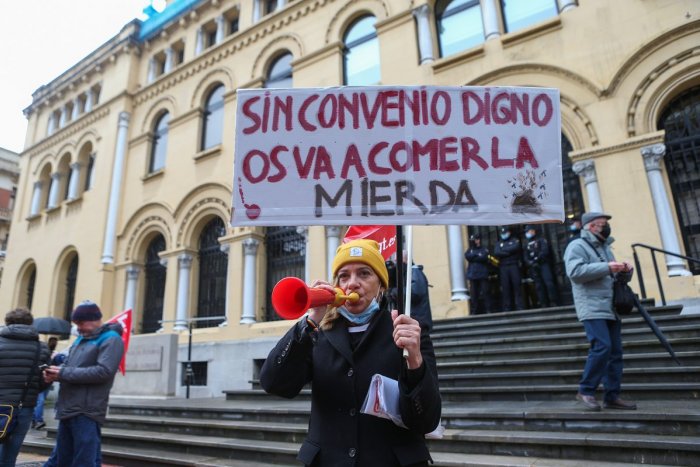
(508, 381)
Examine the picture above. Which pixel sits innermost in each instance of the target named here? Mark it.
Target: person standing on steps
(591, 266)
(537, 261)
(478, 275)
(508, 251)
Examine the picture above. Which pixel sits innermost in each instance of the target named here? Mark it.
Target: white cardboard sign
(397, 155)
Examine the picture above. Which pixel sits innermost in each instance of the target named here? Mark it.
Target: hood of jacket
(20, 331)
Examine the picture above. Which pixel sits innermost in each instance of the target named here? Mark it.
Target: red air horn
(291, 297)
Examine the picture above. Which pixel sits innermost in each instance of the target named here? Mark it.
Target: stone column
(115, 189)
(169, 59)
(184, 262)
(586, 169)
(199, 44)
(250, 250)
(456, 252)
(225, 248)
(652, 157)
(88, 100)
(565, 5)
(489, 13)
(257, 10)
(332, 243)
(304, 232)
(74, 180)
(36, 199)
(423, 15)
(52, 124)
(220, 28)
(132, 282)
(76, 109)
(64, 117)
(53, 192)
(152, 65)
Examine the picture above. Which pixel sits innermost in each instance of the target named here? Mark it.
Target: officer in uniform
(508, 251)
(537, 260)
(478, 274)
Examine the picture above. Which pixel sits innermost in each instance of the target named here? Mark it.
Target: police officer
(537, 261)
(508, 251)
(478, 276)
(574, 230)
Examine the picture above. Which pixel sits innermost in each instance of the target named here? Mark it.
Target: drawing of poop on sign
(528, 189)
(252, 211)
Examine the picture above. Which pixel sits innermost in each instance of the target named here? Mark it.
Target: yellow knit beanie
(362, 251)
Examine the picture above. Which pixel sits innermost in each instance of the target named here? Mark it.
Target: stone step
(537, 352)
(513, 330)
(451, 459)
(680, 329)
(591, 446)
(633, 391)
(669, 375)
(534, 316)
(631, 360)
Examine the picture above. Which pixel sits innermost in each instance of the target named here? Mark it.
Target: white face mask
(361, 318)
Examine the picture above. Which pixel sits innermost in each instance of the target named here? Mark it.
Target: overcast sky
(40, 39)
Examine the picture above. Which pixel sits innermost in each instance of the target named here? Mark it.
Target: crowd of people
(338, 349)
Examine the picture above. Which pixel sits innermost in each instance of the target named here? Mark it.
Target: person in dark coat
(420, 295)
(21, 354)
(537, 261)
(339, 350)
(478, 275)
(508, 251)
(574, 231)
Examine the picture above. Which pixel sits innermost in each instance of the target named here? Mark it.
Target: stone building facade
(126, 178)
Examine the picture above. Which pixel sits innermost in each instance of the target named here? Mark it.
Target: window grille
(286, 253)
(155, 274)
(213, 264)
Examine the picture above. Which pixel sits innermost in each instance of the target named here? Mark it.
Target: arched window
(681, 120)
(212, 274)
(280, 73)
(159, 144)
(459, 25)
(361, 53)
(71, 280)
(26, 287)
(286, 253)
(519, 14)
(213, 121)
(155, 286)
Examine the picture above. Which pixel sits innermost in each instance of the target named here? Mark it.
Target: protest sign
(397, 155)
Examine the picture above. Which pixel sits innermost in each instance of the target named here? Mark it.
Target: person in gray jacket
(86, 378)
(21, 353)
(591, 267)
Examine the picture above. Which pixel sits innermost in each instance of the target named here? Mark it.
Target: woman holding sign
(339, 350)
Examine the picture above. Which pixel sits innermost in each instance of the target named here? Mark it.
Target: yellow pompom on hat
(362, 251)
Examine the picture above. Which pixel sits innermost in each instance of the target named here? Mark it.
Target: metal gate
(213, 262)
(286, 252)
(71, 279)
(681, 120)
(155, 286)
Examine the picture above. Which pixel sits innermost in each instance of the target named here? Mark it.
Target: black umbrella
(655, 328)
(50, 325)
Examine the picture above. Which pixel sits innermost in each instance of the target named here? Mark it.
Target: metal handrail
(653, 250)
(189, 372)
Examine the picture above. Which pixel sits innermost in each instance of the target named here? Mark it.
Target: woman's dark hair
(19, 316)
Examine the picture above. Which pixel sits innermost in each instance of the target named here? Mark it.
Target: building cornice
(632, 143)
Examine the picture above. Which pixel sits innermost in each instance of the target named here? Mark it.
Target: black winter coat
(478, 258)
(508, 252)
(339, 435)
(17, 352)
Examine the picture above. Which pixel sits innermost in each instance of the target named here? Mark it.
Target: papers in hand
(383, 401)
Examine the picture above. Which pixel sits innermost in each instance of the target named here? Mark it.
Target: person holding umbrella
(338, 350)
(591, 266)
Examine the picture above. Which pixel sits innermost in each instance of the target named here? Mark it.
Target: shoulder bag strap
(596, 252)
(29, 376)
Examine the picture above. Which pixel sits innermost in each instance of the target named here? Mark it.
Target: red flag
(385, 235)
(123, 318)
